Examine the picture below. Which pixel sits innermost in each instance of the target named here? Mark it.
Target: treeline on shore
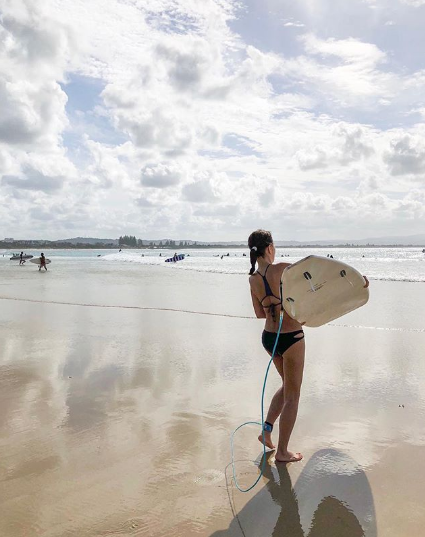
(172, 245)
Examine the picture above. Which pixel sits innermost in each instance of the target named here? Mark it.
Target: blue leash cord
(256, 422)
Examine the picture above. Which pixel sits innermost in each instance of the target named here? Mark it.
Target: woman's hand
(367, 282)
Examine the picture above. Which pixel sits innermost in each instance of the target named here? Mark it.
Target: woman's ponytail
(253, 257)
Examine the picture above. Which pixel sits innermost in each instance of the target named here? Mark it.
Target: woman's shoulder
(279, 267)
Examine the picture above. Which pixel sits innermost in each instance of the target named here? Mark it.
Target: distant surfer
(290, 350)
(21, 258)
(42, 262)
(175, 257)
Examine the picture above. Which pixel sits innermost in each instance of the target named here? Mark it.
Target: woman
(290, 350)
(42, 262)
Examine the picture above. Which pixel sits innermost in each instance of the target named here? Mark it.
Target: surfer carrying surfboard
(42, 262)
(290, 350)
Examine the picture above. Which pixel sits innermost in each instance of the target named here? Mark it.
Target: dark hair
(258, 242)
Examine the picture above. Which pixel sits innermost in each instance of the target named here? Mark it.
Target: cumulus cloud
(266, 198)
(34, 180)
(345, 143)
(199, 192)
(406, 155)
(317, 157)
(161, 175)
(34, 50)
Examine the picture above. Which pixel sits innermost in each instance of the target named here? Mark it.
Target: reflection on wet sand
(331, 498)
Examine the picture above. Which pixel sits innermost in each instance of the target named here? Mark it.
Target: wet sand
(116, 421)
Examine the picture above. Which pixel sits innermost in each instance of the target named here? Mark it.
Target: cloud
(266, 198)
(350, 50)
(413, 3)
(312, 159)
(199, 192)
(144, 202)
(34, 180)
(406, 156)
(343, 144)
(294, 24)
(355, 145)
(161, 176)
(30, 113)
(34, 50)
(186, 69)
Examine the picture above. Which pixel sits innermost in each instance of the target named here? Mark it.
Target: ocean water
(392, 264)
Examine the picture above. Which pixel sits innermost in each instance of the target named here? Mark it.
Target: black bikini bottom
(285, 341)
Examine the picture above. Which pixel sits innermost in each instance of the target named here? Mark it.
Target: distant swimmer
(21, 258)
(119, 250)
(288, 359)
(42, 262)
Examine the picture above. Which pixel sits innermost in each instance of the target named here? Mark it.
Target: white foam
(389, 264)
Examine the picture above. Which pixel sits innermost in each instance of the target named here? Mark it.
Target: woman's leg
(293, 367)
(275, 406)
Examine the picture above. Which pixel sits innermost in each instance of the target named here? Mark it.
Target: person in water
(290, 350)
(21, 259)
(42, 262)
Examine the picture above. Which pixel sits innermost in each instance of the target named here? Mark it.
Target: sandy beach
(115, 420)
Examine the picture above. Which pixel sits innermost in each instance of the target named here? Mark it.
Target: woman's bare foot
(288, 457)
(267, 439)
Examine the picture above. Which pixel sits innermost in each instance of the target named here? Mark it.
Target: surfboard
(18, 257)
(177, 258)
(317, 290)
(37, 261)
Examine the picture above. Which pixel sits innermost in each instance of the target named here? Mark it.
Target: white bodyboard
(317, 290)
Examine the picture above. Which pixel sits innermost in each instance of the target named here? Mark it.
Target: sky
(208, 119)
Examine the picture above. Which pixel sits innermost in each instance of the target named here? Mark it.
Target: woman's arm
(258, 308)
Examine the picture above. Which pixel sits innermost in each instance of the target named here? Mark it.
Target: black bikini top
(269, 292)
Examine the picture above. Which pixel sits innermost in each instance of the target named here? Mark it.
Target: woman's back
(265, 286)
